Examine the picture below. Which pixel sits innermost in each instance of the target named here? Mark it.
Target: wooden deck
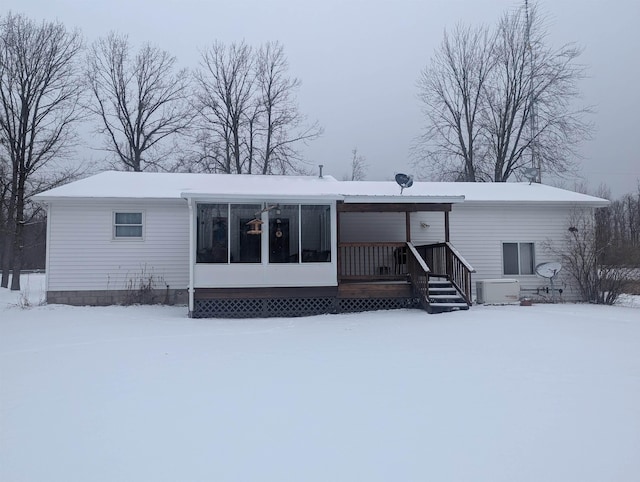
(376, 289)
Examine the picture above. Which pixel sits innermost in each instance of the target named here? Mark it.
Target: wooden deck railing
(404, 261)
(372, 261)
(444, 260)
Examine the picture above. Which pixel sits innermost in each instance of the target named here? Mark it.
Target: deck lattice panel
(290, 307)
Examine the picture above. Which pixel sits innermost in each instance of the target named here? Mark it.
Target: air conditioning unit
(497, 291)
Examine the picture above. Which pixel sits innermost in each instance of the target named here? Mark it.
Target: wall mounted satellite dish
(550, 271)
(404, 180)
(531, 173)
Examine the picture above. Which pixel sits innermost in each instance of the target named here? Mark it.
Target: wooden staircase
(443, 296)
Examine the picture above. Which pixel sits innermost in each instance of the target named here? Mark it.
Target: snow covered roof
(146, 185)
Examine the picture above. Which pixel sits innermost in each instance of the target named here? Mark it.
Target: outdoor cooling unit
(497, 291)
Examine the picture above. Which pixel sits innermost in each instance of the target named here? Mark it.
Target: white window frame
(114, 225)
(518, 244)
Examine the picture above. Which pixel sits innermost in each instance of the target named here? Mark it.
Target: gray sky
(359, 62)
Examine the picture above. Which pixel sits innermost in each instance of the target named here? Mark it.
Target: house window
(127, 225)
(518, 258)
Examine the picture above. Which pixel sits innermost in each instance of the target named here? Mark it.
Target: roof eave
(258, 196)
(399, 199)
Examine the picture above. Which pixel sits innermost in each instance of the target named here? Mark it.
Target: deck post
(338, 240)
(408, 225)
(446, 227)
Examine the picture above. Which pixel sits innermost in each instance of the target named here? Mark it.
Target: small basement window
(518, 258)
(127, 225)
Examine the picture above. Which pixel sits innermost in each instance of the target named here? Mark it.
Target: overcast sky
(359, 62)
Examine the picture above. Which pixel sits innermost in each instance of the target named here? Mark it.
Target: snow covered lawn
(501, 393)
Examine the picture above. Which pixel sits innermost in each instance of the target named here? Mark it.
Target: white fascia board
(596, 203)
(258, 197)
(50, 199)
(403, 199)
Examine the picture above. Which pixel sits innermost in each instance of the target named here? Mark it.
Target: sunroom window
(284, 227)
(293, 233)
(212, 233)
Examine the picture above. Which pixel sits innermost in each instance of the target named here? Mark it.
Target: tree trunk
(7, 255)
(18, 236)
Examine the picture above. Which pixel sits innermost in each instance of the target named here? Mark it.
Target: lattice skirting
(354, 305)
(276, 307)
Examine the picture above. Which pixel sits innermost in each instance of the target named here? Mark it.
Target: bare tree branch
(247, 109)
(141, 101)
(497, 102)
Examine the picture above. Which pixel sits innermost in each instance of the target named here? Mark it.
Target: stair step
(450, 305)
(444, 297)
(432, 288)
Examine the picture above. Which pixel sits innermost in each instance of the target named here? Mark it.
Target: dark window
(518, 258)
(213, 233)
(315, 233)
(246, 233)
(284, 233)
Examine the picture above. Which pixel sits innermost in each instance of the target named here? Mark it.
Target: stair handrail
(419, 258)
(460, 257)
(418, 272)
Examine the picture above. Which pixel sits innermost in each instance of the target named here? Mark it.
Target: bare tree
(451, 92)
(141, 101)
(40, 89)
(282, 124)
(249, 121)
(499, 102)
(584, 257)
(358, 171)
(224, 96)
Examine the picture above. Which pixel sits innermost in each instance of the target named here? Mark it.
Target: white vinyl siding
(83, 254)
(478, 231)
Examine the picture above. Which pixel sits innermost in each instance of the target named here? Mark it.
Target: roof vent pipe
(320, 166)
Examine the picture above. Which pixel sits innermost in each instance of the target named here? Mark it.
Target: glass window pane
(246, 237)
(128, 231)
(284, 234)
(212, 233)
(510, 258)
(128, 218)
(316, 233)
(526, 258)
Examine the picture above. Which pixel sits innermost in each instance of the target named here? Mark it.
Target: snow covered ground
(498, 393)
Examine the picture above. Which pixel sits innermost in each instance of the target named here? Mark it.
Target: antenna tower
(533, 121)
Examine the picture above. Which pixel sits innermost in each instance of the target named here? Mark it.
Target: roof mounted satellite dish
(550, 271)
(531, 173)
(404, 180)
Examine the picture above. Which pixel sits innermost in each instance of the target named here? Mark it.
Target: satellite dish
(549, 270)
(404, 180)
(531, 173)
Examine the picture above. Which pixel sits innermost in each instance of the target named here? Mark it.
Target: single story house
(244, 245)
